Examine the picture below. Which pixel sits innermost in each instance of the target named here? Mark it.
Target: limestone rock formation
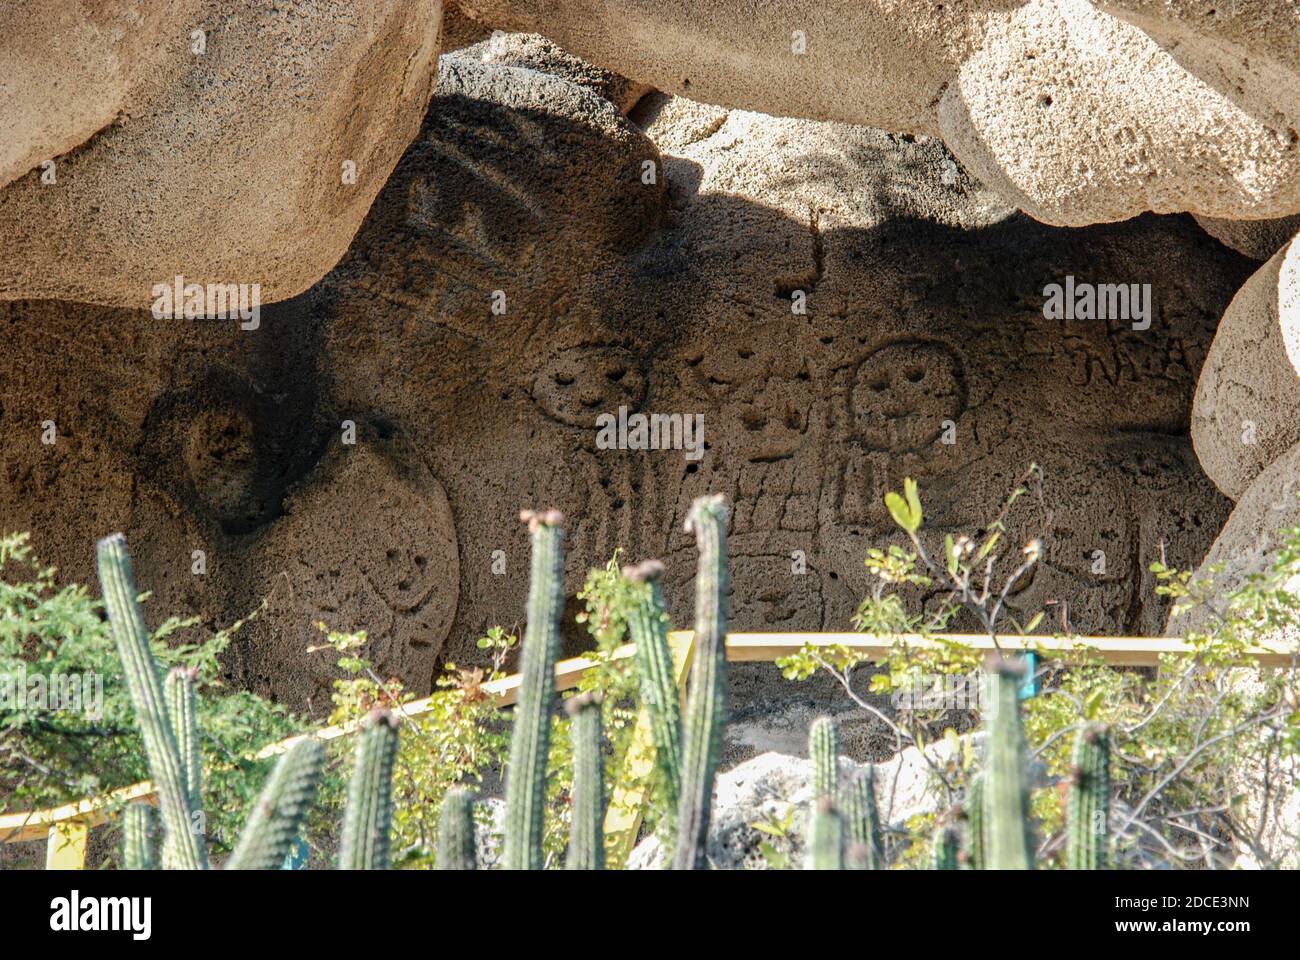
(1075, 114)
(222, 142)
(1244, 415)
(836, 302)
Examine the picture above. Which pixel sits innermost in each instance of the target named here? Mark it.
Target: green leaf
(898, 510)
(950, 554)
(1092, 703)
(913, 502)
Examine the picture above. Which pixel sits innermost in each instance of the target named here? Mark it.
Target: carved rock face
(669, 295)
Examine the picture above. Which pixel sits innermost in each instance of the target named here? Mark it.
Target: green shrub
(60, 752)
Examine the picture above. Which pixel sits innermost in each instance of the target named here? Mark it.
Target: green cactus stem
(648, 626)
(368, 818)
(862, 822)
(181, 696)
(586, 839)
(706, 710)
(182, 709)
(137, 837)
(976, 834)
(943, 855)
(456, 843)
(1088, 807)
(279, 812)
(126, 622)
(825, 836)
(1006, 773)
(531, 737)
(824, 751)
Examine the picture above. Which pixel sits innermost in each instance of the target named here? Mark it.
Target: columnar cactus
(368, 817)
(530, 740)
(706, 711)
(1088, 814)
(277, 816)
(824, 752)
(137, 837)
(456, 844)
(586, 839)
(943, 855)
(648, 625)
(1006, 774)
(182, 710)
(127, 625)
(825, 836)
(862, 822)
(976, 825)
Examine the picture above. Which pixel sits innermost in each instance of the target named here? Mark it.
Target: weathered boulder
(1244, 414)
(1078, 117)
(69, 71)
(1257, 239)
(224, 143)
(879, 63)
(1075, 114)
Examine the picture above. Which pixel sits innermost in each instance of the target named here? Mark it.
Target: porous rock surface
(1076, 112)
(1244, 413)
(204, 138)
(535, 52)
(1257, 239)
(650, 262)
(69, 70)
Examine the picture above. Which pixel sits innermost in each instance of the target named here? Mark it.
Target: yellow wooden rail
(66, 828)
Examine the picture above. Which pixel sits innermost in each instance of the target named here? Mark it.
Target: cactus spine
(531, 736)
(706, 712)
(976, 825)
(825, 836)
(1088, 818)
(824, 751)
(648, 625)
(858, 798)
(277, 816)
(1006, 774)
(368, 817)
(137, 837)
(586, 839)
(456, 845)
(943, 855)
(132, 639)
